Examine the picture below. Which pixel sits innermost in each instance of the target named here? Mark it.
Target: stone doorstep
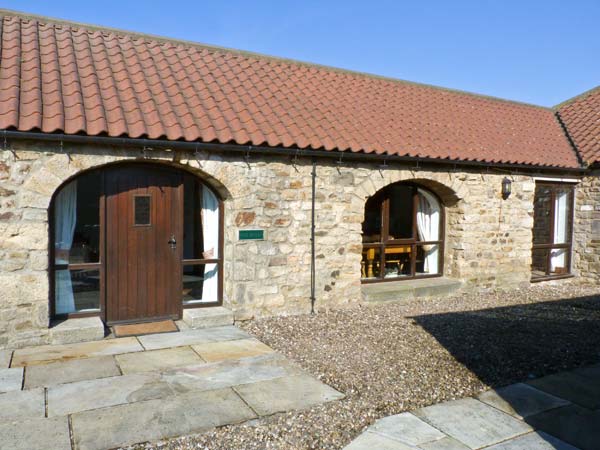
(71, 331)
(403, 290)
(207, 317)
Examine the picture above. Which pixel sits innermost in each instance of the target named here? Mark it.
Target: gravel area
(391, 358)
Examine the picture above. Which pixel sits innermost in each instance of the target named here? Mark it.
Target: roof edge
(247, 150)
(577, 97)
(165, 39)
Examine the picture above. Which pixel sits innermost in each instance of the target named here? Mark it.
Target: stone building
(143, 179)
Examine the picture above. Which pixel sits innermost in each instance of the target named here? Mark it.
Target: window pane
(142, 209)
(77, 221)
(539, 262)
(371, 227)
(201, 221)
(559, 261)
(371, 263)
(77, 291)
(562, 215)
(428, 260)
(397, 261)
(428, 217)
(200, 283)
(401, 212)
(542, 220)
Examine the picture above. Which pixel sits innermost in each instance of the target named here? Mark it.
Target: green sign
(251, 235)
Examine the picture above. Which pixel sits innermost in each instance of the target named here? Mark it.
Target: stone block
(5, 357)
(156, 360)
(191, 337)
(76, 330)
(533, 441)
(521, 400)
(242, 348)
(11, 379)
(45, 354)
(472, 422)
(407, 428)
(284, 394)
(372, 441)
(207, 317)
(572, 387)
(157, 419)
(70, 371)
(572, 424)
(22, 404)
(35, 434)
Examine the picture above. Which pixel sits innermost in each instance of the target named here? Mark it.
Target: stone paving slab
(533, 441)
(472, 422)
(92, 394)
(284, 394)
(192, 337)
(242, 348)
(35, 434)
(229, 373)
(571, 386)
(446, 443)
(11, 379)
(572, 424)
(372, 441)
(5, 356)
(104, 392)
(521, 400)
(156, 419)
(45, 354)
(17, 404)
(407, 428)
(154, 360)
(70, 371)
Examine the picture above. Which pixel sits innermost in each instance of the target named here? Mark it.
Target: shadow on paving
(522, 343)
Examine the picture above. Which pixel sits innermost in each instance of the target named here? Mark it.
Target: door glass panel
(559, 261)
(77, 221)
(142, 209)
(201, 221)
(401, 212)
(371, 227)
(397, 261)
(427, 259)
(77, 291)
(370, 265)
(539, 262)
(562, 216)
(200, 283)
(542, 220)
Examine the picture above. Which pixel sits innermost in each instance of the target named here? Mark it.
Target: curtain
(65, 217)
(210, 235)
(558, 257)
(428, 227)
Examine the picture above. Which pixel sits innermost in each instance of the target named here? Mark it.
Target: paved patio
(104, 394)
(557, 412)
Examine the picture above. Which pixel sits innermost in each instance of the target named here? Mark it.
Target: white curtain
(558, 257)
(65, 217)
(210, 235)
(428, 227)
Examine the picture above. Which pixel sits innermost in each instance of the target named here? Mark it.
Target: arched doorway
(403, 234)
(134, 243)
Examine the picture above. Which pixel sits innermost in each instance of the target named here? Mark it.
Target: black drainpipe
(312, 237)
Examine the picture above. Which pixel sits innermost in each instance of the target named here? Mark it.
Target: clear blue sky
(541, 52)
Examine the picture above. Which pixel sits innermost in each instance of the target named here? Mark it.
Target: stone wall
(488, 239)
(586, 236)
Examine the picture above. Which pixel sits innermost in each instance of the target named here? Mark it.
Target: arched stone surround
(488, 240)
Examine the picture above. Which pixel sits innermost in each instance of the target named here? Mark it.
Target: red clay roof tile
(62, 77)
(581, 118)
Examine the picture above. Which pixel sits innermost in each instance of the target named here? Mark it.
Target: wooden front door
(143, 243)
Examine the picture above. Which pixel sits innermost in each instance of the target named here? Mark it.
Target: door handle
(172, 242)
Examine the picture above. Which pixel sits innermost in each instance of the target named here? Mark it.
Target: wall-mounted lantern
(506, 188)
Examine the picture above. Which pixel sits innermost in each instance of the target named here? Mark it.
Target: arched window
(135, 242)
(403, 235)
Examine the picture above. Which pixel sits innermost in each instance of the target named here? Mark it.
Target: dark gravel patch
(392, 358)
